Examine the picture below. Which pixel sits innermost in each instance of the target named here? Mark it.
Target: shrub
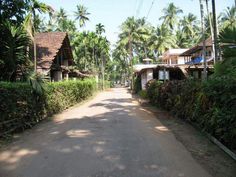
(143, 94)
(137, 84)
(153, 90)
(20, 108)
(210, 104)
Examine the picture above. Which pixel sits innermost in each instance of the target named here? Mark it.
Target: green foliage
(21, 109)
(107, 84)
(14, 54)
(210, 104)
(90, 51)
(228, 39)
(36, 82)
(143, 94)
(137, 84)
(152, 91)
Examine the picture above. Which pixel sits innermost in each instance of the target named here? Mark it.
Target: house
(54, 55)
(193, 59)
(161, 72)
(194, 55)
(145, 72)
(172, 56)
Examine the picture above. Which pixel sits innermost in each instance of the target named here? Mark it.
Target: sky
(111, 13)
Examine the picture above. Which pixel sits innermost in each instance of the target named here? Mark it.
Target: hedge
(211, 105)
(20, 108)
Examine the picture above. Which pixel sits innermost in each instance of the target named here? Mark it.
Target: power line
(135, 7)
(150, 9)
(139, 8)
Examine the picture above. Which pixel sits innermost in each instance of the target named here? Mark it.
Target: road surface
(108, 136)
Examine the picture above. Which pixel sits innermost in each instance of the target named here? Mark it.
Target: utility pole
(212, 33)
(204, 41)
(215, 29)
(103, 72)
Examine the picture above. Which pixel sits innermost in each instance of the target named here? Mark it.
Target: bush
(20, 108)
(143, 94)
(137, 84)
(210, 104)
(152, 90)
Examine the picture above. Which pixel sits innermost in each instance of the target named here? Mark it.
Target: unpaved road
(109, 136)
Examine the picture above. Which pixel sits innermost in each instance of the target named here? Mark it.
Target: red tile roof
(48, 44)
(208, 43)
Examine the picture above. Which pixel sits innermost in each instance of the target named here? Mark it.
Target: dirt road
(109, 136)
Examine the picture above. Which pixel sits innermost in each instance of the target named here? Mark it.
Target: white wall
(181, 60)
(146, 76)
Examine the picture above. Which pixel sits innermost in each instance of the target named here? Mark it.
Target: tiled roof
(198, 47)
(48, 44)
(172, 52)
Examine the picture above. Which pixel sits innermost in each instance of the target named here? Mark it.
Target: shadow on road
(77, 143)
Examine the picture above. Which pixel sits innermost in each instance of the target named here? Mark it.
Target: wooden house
(54, 55)
(194, 60)
(194, 55)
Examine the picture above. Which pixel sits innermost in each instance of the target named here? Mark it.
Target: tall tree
(162, 39)
(61, 19)
(34, 7)
(100, 28)
(171, 15)
(229, 16)
(203, 38)
(81, 14)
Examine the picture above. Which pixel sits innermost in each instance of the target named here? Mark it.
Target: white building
(146, 71)
(172, 56)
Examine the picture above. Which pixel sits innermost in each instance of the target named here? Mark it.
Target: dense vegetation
(210, 104)
(138, 39)
(20, 20)
(22, 108)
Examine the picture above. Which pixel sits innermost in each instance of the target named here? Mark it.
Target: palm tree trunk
(215, 29)
(131, 61)
(211, 28)
(204, 40)
(35, 50)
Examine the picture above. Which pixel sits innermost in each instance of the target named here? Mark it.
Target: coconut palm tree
(170, 16)
(162, 39)
(100, 28)
(229, 16)
(82, 15)
(190, 25)
(61, 19)
(203, 38)
(30, 25)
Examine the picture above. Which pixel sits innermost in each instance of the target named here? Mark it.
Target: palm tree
(100, 28)
(162, 39)
(61, 19)
(128, 36)
(170, 15)
(30, 25)
(203, 38)
(82, 15)
(190, 25)
(229, 16)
